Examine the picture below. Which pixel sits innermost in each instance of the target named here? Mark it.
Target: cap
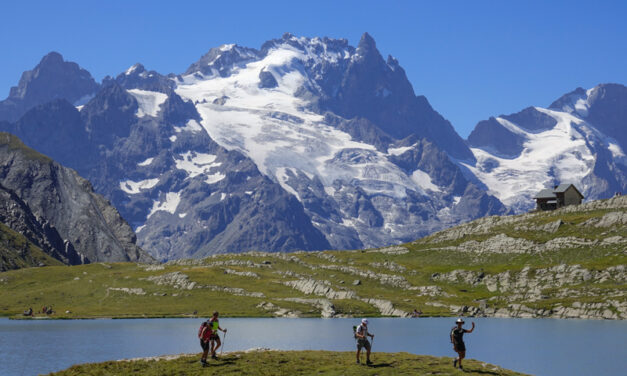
(364, 321)
(459, 321)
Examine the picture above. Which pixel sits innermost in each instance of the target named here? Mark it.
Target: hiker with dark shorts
(361, 334)
(457, 339)
(215, 339)
(204, 334)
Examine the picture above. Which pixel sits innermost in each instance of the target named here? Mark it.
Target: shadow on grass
(380, 365)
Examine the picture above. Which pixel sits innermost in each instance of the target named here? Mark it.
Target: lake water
(539, 347)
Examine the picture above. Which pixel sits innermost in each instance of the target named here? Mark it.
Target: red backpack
(207, 331)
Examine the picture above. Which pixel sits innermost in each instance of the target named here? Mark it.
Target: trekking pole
(371, 346)
(223, 344)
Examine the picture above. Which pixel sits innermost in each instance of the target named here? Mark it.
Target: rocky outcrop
(60, 210)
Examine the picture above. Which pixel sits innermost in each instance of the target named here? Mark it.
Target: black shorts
(204, 345)
(214, 337)
(363, 343)
(460, 347)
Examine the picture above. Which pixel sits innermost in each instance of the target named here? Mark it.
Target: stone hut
(561, 195)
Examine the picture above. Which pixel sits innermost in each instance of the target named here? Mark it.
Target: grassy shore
(521, 266)
(290, 363)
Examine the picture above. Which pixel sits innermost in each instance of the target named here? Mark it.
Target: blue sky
(471, 59)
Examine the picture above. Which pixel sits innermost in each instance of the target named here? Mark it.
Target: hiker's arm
(224, 330)
(471, 329)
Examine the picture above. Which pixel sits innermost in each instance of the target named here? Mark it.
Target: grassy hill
(565, 263)
(17, 252)
(289, 363)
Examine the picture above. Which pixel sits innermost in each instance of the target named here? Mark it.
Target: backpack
(202, 326)
(355, 331)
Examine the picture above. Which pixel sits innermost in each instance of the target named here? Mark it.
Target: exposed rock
(390, 265)
(177, 280)
(327, 310)
(132, 291)
(322, 288)
(396, 250)
(241, 274)
(232, 291)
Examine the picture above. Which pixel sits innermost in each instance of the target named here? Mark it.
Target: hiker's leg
(218, 344)
(358, 352)
(462, 355)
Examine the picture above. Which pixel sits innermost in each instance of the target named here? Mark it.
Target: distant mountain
(580, 138)
(57, 210)
(305, 143)
(51, 79)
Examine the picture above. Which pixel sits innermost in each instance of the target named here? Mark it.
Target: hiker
(457, 339)
(416, 313)
(204, 334)
(28, 312)
(214, 323)
(361, 334)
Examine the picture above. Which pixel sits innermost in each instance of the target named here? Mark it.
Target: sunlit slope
(565, 263)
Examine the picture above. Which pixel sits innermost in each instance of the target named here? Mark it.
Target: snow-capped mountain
(581, 138)
(306, 143)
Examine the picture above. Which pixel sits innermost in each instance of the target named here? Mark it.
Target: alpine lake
(533, 346)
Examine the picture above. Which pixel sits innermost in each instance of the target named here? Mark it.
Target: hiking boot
(358, 362)
(214, 356)
(368, 362)
(455, 363)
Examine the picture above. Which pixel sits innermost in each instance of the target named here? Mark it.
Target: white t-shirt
(363, 330)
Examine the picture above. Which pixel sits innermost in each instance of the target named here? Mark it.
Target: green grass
(86, 290)
(290, 363)
(17, 252)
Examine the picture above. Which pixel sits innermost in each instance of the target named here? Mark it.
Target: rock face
(580, 139)
(51, 79)
(58, 209)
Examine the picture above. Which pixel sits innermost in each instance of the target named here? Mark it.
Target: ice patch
(172, 138)
(617, 151)
(214, 178)
(171, 202)
(134, 187)
(196, 163)
(146, 162)
(400, 151)
(191, 126)
(149, 102)
(423, 180)
(182, 215)
(281, 174)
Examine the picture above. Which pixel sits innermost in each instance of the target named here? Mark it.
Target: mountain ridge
(335, 132)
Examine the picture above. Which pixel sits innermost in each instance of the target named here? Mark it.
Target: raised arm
(471, 329)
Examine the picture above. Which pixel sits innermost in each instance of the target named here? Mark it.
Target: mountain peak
(366, 44)
(52, 57)
(51, 79)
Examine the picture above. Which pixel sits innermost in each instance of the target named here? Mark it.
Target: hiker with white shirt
(361, 335)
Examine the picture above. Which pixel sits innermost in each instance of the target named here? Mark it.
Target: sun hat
(364, 321)
(459, 320)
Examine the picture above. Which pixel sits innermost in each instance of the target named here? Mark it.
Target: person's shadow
(380, 365)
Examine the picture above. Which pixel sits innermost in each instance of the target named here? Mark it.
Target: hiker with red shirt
(204, 334)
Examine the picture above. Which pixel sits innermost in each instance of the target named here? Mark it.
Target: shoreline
(18, 318)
